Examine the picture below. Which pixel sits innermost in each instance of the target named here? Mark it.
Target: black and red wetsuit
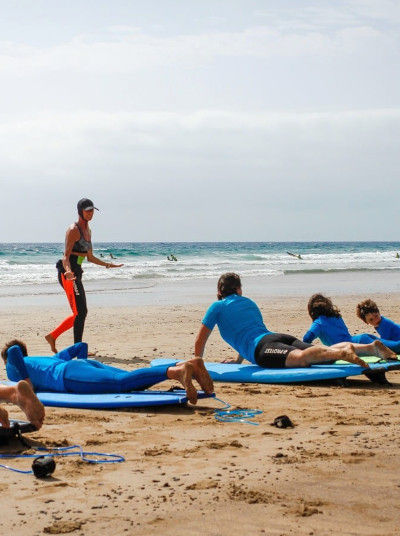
(74, 290)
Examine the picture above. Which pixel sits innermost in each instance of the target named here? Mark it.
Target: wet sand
(185, 473)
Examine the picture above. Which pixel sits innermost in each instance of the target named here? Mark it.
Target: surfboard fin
(378, 376)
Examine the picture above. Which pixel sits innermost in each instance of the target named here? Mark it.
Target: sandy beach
(185, 473)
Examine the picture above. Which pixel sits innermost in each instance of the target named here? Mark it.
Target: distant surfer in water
(241, 325)
(295, 255)
(78, 246)
(63, 373)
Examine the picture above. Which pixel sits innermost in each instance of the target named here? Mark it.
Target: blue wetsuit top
(240, 323)
(329, 329)
(45, 373)
(388, 329)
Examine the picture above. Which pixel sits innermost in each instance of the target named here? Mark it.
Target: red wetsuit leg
(68, 286)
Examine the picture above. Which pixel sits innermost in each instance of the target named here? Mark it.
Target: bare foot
(201, 375)
(26, 399)
(183, 372)
(4, 418)
(350, 355)
(383, 351)
(49, 338)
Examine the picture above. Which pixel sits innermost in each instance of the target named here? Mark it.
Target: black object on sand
(282, 421)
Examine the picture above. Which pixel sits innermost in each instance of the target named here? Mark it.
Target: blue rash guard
(45, 373)
(63, 373)
(240, 323)
(388, 329)
(331, 330)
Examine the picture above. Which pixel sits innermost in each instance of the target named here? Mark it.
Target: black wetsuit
(74, 290)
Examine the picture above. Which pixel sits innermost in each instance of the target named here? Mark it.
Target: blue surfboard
(225, 372)
(118, 400)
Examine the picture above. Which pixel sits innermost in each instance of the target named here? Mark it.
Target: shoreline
(187, 291)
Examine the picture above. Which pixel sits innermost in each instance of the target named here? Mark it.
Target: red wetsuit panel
(77, 301)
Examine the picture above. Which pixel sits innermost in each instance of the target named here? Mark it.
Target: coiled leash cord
(45, 464)
(235, 415)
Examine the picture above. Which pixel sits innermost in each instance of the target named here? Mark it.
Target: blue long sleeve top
(329, 329)
(388, 329)
(45, 373)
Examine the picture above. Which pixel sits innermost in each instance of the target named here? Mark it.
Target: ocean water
(27, 265)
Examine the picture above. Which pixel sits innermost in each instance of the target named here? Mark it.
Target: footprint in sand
(157, 451)
(203, 484)
(63, 527)
(307, 509)
(217, 446)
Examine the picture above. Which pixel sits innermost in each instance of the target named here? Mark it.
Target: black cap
(85, 204)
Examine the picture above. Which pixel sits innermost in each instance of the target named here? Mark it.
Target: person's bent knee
(295, 359)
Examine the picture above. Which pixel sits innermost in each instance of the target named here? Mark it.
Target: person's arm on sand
(239, 359)
(309, 337)
(91, 258)
(201, 340)
(78, 350)
(15, 366)
(313, 333)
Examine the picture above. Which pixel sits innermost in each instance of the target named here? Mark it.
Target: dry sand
(185, 473)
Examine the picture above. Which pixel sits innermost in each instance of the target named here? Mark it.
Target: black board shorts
(273, 349)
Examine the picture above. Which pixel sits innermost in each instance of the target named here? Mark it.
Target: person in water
(63, 373)
(22, 396)
(78, 246)
(328, 325)
(241, 325)
(369, 313)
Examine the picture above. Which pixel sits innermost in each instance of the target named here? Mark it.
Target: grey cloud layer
(270, 120)
(279, 166)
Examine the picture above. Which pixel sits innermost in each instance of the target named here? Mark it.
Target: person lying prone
(71, 371)
(241, 325)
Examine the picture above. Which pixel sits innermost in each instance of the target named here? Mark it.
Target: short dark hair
(14, 342)
(228, 284)
(366, 307)
(319, 305)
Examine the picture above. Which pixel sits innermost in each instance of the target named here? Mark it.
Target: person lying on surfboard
(329, 326)
(369, 313)
(63, 373)
(241, 325)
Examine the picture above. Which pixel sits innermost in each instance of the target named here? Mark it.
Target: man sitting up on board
(22, 396)
(241, 325)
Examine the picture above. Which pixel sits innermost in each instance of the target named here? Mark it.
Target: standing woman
(78, 245)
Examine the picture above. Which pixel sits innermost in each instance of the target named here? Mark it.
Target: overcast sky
(200, 120)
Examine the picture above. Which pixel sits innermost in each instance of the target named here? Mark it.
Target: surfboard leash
(226, 414)
(44, 464)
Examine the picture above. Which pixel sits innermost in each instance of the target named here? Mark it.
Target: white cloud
(323, 16)
(288, 115)
(126, 50)
(159, 140)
